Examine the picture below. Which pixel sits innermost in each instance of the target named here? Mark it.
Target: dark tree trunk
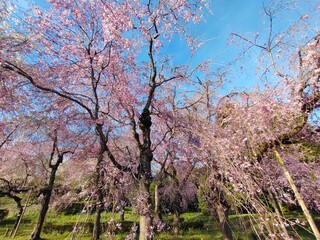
(145, 177)
(97, 223)
(44, 209)
(145, 204)
(16, 227)
(225, 226)
(99, 205)
(47, 192)
(20, 207)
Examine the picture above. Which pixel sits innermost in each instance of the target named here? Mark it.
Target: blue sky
(227, 17)
(244, 17)
(241, 16)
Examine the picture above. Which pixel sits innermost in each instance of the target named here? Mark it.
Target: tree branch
(18, 70)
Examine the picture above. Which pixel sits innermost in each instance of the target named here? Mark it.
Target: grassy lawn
(195, 226)
(59, 225)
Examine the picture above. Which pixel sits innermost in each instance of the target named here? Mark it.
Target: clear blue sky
(244, 17)
(241, 16)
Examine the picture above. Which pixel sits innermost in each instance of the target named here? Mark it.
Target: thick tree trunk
(297, 194)
(43, 212)
(222, 213)
(145, 210)
(145, 174)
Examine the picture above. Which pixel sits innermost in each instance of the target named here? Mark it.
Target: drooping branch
(116, 163)
(104, 148)
(18, 70)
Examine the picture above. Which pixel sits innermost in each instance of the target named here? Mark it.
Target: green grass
(57, 226)
(194, 226)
